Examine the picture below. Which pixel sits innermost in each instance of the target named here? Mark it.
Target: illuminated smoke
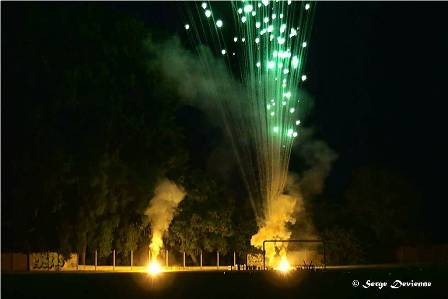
(287, 217)
(276, 226)
(160, 212)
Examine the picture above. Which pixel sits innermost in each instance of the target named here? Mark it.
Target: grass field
(336, 283)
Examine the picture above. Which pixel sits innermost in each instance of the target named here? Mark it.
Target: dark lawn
(329, 284)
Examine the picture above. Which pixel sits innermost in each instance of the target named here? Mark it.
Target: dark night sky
(378, 73)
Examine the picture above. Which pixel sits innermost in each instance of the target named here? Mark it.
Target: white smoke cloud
(201, 80)
(276, 225)
(160, 212)
(289, 209)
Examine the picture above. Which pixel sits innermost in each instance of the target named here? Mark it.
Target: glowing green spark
(282, 28)
(295, 62)
(219, 23)
(293, 32)
(287, 94)
(248, 8)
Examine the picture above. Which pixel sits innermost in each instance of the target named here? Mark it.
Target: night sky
(379, 78)
(377, 72)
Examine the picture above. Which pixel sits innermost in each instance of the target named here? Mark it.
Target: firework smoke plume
(160, 212)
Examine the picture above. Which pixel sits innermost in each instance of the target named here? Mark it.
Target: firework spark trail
(267, 44)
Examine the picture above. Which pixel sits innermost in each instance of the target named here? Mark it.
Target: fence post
(113, 260)
(132, 258)
(217, 259)
(184, 259)
(149, 255)
(234, 259)
(264, 256)
(325, 258)
(201, 259)
(166, 258)
(96, 258)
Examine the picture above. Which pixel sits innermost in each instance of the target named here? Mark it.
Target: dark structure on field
(293, 241)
